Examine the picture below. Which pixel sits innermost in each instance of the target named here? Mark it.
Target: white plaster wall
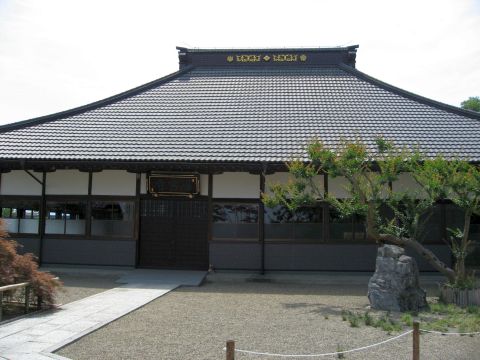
(337, 187)
(143, 183)
(18, 182)
(406, 182)
(67, 182)
(284, 177)
(113, 182)
(236, 185)
(204, 184)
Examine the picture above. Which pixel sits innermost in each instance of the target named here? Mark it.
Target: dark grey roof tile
(261, 114)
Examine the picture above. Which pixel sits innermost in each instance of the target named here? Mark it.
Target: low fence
(460, 297)
(27, 296)
(13, 287)
(231, 350)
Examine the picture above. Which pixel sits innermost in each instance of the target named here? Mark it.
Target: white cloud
(55, 55)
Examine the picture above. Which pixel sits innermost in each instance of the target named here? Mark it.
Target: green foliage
(386, 323)
(369, 182)
(354, 320)
(340, 355)
(459, 182)
(467, 282)
(472, 103)
(383, 145)
(439, 317)
(368, 319)
(407, 319)
(444, 309)
(452, 317)
(473, 310)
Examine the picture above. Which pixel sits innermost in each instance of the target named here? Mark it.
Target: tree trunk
(428, 255)
(461, 255)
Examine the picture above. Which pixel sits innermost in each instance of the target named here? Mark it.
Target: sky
(60, 54)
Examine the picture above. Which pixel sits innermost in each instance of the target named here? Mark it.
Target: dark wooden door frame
(174, 233)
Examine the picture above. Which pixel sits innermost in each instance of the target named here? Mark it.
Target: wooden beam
(34, 177)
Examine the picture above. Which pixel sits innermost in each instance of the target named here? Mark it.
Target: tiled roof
(248, 114)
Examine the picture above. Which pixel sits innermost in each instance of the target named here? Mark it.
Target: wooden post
(27, 299)
(1, 305)
(230, 350)
(416, 340)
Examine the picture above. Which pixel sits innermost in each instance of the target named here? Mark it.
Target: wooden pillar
(209, 216)
(88, 230)
(136, 227)
(261, 223)
(326, 211)
(210, 206)
(43, 214)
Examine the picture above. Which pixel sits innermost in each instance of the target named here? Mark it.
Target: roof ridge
(94, 105)
(280, 49)
(412, 96)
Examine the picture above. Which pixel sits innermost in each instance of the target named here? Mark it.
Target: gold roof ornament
(303, 57)
(230, 58)
(266, 58)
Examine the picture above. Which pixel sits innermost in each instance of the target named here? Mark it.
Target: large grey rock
(395, 285)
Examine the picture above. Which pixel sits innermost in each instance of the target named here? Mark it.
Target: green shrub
(407, 319)
(387, 324)
(368, 319)
(354, 320)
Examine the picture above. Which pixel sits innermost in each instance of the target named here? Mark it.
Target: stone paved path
(38, 335)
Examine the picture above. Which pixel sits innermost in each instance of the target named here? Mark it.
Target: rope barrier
(324, 354)
(448, 333)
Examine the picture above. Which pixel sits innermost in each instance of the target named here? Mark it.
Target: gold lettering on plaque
(252, 58)
(285, 58)
(248, 58)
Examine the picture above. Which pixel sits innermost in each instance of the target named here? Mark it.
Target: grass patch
(450, 317)
(440, 317)
(368, 319)
(407, 319)
(386, 323)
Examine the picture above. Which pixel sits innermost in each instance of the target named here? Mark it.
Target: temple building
(169, 174)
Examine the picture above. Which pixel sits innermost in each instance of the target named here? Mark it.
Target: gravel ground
(282, 315)
(77, 286)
